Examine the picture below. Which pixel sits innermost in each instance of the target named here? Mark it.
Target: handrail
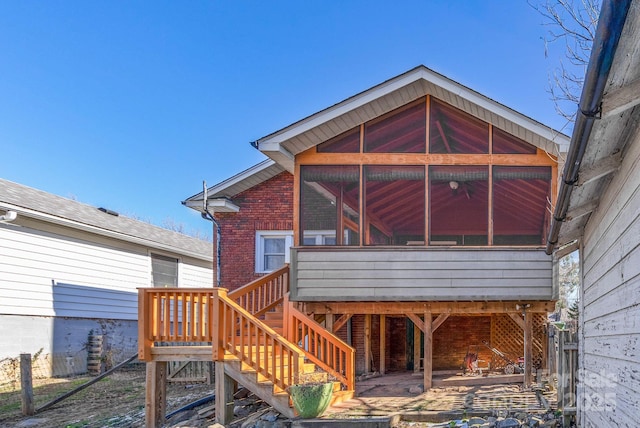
(321, 346)
(258, 346)
(173, 315)
(209, 315)
(264, 293)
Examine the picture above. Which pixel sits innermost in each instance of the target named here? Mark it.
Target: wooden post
(367, 343)
(156, 394)
(416, 348)
(26, 385)
(145, 318)
(217, 333)
(428, 351)
(383, 343)
(328, 321)
(225, 388)
(528, 347)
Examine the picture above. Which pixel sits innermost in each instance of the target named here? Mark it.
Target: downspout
(610, 24)
(206, 214)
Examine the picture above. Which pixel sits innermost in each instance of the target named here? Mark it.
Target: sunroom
(425, 202)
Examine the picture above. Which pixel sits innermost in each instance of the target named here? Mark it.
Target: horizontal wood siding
(610, 345)
(50, 270)
(420, 274)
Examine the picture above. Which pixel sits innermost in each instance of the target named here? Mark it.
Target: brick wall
(456, 336)
(267, 206)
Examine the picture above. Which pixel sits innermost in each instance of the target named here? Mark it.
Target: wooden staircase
(258, 338)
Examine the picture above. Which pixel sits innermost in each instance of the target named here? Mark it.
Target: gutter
(610, 24)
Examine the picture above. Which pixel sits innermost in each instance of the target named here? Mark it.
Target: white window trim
(260, 237)
(319, 235)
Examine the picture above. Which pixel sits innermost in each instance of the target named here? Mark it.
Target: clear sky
(130, 105)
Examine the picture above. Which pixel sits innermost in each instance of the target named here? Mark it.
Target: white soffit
(416, 83)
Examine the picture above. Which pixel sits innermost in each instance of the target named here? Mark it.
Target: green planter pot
(310, 401)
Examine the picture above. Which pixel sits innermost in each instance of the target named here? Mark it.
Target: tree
(573, 23)
(569, 278)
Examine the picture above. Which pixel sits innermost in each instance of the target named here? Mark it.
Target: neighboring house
(68, 269)
(598, 213)
(417, 205)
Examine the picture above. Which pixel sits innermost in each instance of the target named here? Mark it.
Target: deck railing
(263, 294)
(228, 321)
(323, 348)
(258, 346)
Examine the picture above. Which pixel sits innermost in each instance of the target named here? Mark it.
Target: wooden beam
(564, 251)
(367, 343)
(603, 167)
(518, 319)
(621, 99)
(155, 394)
(438, 321)
(582, 210)
(225, 388)
(341, 321)
(383, 343)
(528, 348)
(404, 308)
(416, 321)
(428, 351)
(416, 350)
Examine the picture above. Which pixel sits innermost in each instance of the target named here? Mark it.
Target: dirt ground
(118, 401)
(115, 401)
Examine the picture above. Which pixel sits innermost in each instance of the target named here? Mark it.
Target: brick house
(411, 221)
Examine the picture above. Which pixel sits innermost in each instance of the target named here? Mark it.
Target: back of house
(413, 217)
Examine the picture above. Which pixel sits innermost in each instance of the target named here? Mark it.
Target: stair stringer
(265, 390)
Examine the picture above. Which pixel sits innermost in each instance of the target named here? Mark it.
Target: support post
(225, 388)
(26, 385)
(383, 343)
(156, 394)
(428, 351)
(367, 343)
(328, 321)
(416, 348)
(528, 347)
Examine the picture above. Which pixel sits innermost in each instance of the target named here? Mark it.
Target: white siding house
(598, 213)
(68, 269)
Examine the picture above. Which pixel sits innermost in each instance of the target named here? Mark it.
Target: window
(454, 131)
(459, 205)
(401, 131)
(164, 271)
(330, 202)
(520, 194)
(272, 249)
(394, 204)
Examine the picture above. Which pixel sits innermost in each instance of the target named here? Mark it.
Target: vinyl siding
(50, 270)
(420, 274)
(609, 345)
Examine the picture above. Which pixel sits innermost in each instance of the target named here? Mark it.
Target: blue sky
(131, 105)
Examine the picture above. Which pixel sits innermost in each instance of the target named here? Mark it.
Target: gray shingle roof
(36, 203)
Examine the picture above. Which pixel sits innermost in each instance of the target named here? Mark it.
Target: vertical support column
(156, 394)
(328, 321)
(416, 348)
(225, 388)
(367, 343)
(528, 347)
(383, 343)
(26, 385)
(428, 351)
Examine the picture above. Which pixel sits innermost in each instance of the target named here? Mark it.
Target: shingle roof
(34, 203)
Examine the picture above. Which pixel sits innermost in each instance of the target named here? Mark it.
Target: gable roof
(608, 114)
(283, 145)
(219, 195)
(37, 204)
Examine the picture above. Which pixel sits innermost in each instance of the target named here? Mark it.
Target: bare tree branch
(572, 22)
